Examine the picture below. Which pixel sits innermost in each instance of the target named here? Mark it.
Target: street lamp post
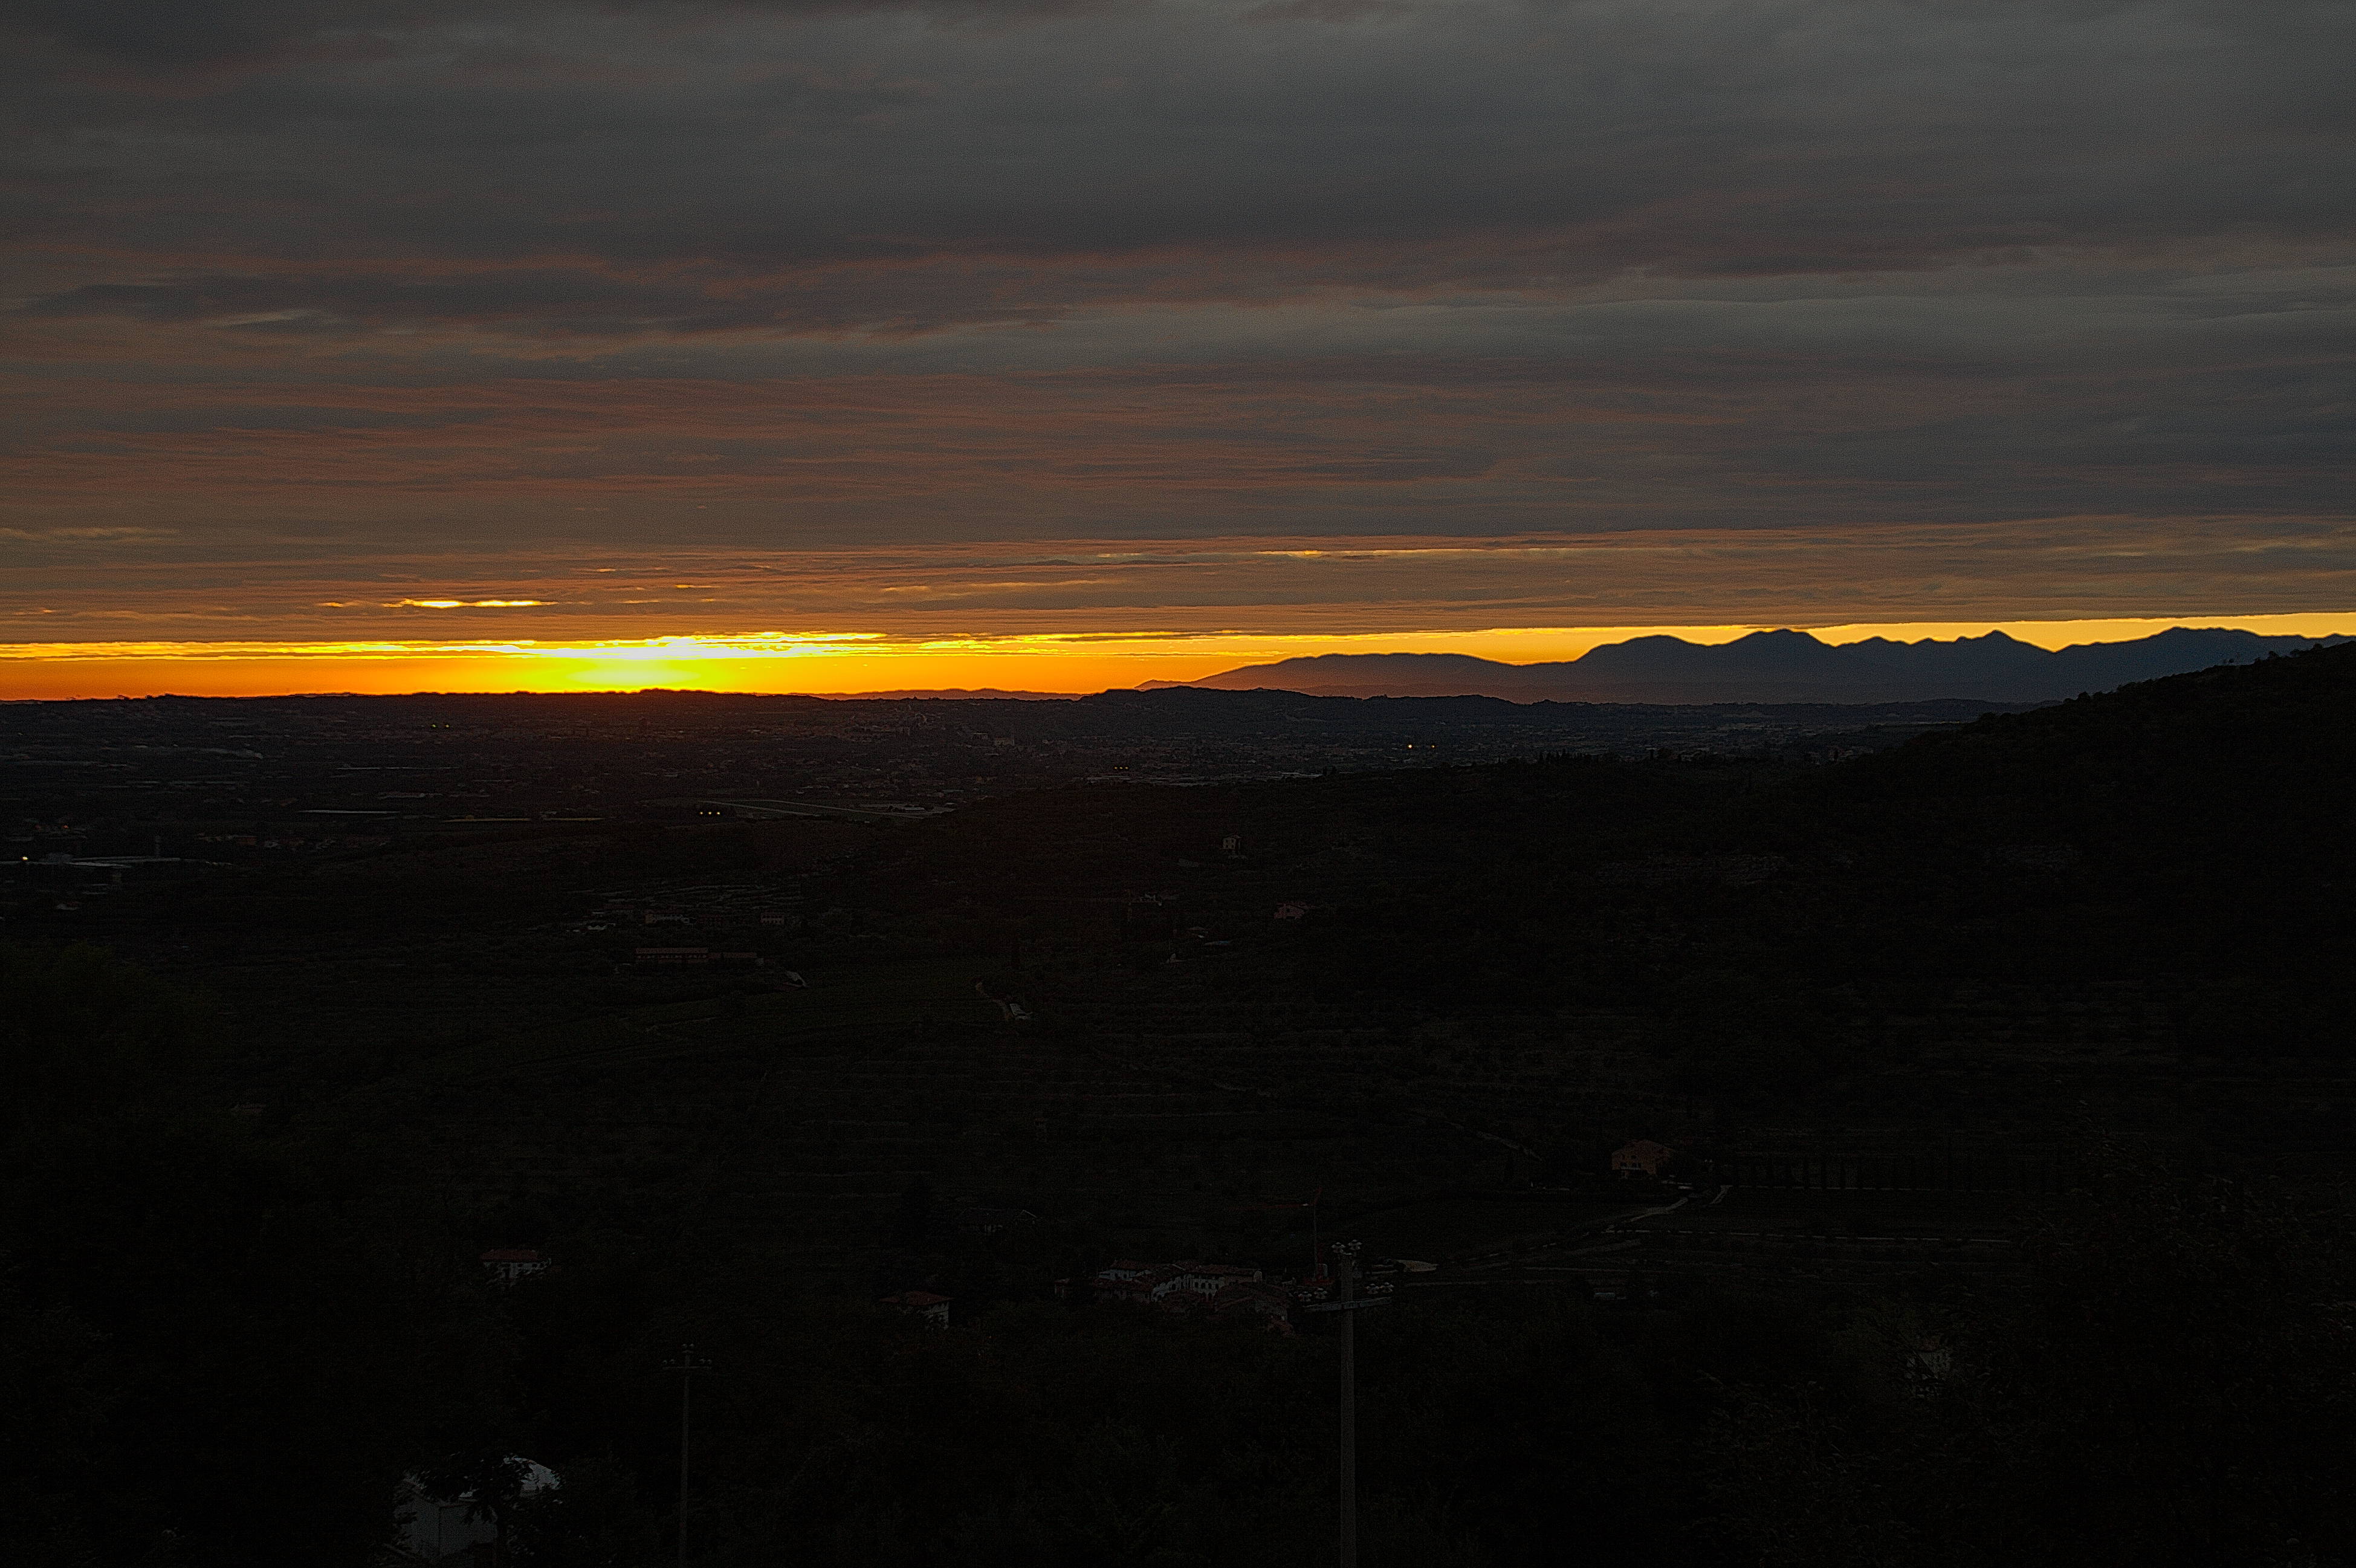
(686, 1364)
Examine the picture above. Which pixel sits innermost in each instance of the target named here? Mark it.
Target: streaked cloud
(2044, 568)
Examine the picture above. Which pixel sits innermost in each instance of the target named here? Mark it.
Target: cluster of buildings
(1194, 1288)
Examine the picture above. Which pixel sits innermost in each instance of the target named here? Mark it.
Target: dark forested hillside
(2188, 836)
(2002, 1078)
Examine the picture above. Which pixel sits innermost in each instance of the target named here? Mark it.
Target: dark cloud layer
(891, 273)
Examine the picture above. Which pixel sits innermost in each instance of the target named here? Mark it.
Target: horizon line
(875, 666)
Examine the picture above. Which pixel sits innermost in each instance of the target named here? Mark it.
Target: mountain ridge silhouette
(1777, 666)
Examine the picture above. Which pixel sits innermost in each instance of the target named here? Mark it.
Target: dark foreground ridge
(1776, 667)
(1936, 1156)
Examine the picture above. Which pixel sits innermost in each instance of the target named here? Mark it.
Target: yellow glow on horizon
(459, 604)
(848, 662)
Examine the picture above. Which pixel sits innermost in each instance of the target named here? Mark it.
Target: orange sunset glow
(851, 663)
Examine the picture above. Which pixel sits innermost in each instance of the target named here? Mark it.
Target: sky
(1047, 344)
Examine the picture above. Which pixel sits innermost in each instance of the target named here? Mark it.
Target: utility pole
(1348, 1303)
(1345, 1284)
(687, 1364)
